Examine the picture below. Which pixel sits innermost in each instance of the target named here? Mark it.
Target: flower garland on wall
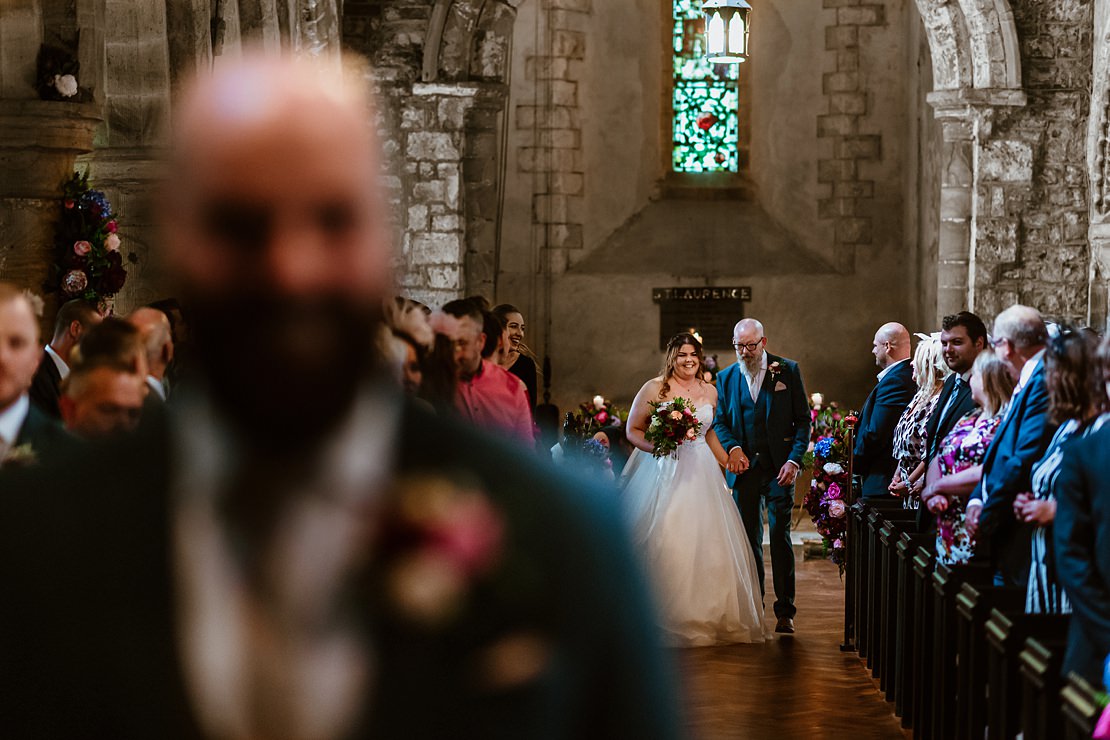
(826, 502)
(87, 259)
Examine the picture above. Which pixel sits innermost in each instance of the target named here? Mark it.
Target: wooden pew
(865, 510)
(947, 581)
(921, 666)
(905, 616)
(1040, 663)
(1081, 708)
(890, 533)
(1006, 635)
(973, 607)
(882, 585)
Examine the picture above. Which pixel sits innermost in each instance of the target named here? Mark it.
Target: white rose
(837, 509)
(66, 85)
(833, 469)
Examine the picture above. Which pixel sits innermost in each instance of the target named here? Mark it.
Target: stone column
(954, 251)
(39, 143)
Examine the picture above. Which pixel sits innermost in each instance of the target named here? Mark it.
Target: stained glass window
(705, 99)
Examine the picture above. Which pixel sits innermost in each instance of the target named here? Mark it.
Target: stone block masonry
(844, 126)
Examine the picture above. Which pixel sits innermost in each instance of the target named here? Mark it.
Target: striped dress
(1044, 595)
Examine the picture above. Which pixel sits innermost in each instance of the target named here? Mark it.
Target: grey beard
(750, 366)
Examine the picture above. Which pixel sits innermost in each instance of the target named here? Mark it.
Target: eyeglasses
(751, 346)
(996, 342)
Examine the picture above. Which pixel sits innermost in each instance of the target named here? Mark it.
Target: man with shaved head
(1019, 338)
(157, 335)
(762, 422)
(294, 551)
(874, 451)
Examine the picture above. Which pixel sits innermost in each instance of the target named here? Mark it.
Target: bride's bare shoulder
(652, 386)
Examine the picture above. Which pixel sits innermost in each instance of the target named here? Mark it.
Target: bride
(684, 520)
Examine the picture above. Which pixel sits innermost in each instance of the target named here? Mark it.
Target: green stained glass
(705, 99)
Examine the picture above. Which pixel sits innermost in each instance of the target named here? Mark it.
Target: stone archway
(976, 72)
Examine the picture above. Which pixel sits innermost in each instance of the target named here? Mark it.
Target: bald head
(277, 176)
(747, 327)
(157, 337)
(891, 344)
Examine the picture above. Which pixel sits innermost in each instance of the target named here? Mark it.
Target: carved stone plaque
(711, 312)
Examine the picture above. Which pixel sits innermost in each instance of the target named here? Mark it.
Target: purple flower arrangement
(826, 502)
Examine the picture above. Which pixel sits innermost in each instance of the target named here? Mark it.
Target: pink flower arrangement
(826, 500)
(672, 423)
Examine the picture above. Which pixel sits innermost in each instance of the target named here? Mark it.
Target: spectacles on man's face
(996, 342)
(750, 346)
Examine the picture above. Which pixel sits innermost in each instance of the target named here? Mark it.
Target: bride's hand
(737, 461)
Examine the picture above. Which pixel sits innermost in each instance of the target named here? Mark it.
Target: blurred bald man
(277, 561)
(874, 451)
(157, 336)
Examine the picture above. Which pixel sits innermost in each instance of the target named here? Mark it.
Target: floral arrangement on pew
(672, 423)
(826, 502)
(87, 259)
(602, 411)
(580, 447)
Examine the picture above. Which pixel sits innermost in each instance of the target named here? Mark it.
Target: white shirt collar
(63, 368)
(12, 418)
(891, 366)
(1027, 371)
(156, 386)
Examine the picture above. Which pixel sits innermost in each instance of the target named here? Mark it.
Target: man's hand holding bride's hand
(737, 461)
(788, 474)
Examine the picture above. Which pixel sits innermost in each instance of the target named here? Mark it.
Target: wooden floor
(795, 687)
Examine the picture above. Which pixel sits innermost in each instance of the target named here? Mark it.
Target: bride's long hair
(673, 346)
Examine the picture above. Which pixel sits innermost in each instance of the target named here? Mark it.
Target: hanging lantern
(726, 30)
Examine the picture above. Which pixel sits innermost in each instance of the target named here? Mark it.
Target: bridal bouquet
(672, 423)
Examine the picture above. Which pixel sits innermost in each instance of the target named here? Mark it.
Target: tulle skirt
(688, 530)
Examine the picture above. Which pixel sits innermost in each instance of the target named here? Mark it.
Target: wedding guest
(1081, 541)
(180, 368)
(518, 359)
(874, 451)
(113, 342)
(1019, 339)
(102, 399)
(74, 318)
(486, 394)
(1075, 397)
(26, 432)
(410, 338)
(157, 337)
(958, 465)
(929, 372)
(267, 561)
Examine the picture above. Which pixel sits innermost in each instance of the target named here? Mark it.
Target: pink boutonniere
(775, 370)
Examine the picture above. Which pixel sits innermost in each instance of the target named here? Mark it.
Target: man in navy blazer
(874, 451)
(763, 422)
(963, 336)
(1019, 339)
(1082, 543)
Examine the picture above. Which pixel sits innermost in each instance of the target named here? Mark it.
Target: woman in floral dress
(958, 466)
(929, 372)
(1074, 398)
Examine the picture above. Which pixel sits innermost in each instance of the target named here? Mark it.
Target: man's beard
(285, 374)
(751, 364)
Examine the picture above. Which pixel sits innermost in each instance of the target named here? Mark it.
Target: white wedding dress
(688, 531)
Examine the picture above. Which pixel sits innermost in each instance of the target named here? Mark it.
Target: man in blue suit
(763, 423)
(1019, 339)
(874, 451)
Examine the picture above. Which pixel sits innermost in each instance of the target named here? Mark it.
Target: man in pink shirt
(487, 395)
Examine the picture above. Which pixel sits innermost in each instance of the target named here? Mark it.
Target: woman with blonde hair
(956, 470)
(929, 372)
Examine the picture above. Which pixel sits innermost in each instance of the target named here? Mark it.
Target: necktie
(956, 387)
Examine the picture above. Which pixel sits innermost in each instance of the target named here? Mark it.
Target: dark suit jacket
(46, 386)
(46, 436)
(1082, 546)
(938, 426)
(787, 412)
(87, 621)
(1018, 445)
(874, 452)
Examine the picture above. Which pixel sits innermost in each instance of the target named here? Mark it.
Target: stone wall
(1031, 237)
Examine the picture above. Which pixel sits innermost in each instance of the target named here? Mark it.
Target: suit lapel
(738, 402)
(771, 359)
